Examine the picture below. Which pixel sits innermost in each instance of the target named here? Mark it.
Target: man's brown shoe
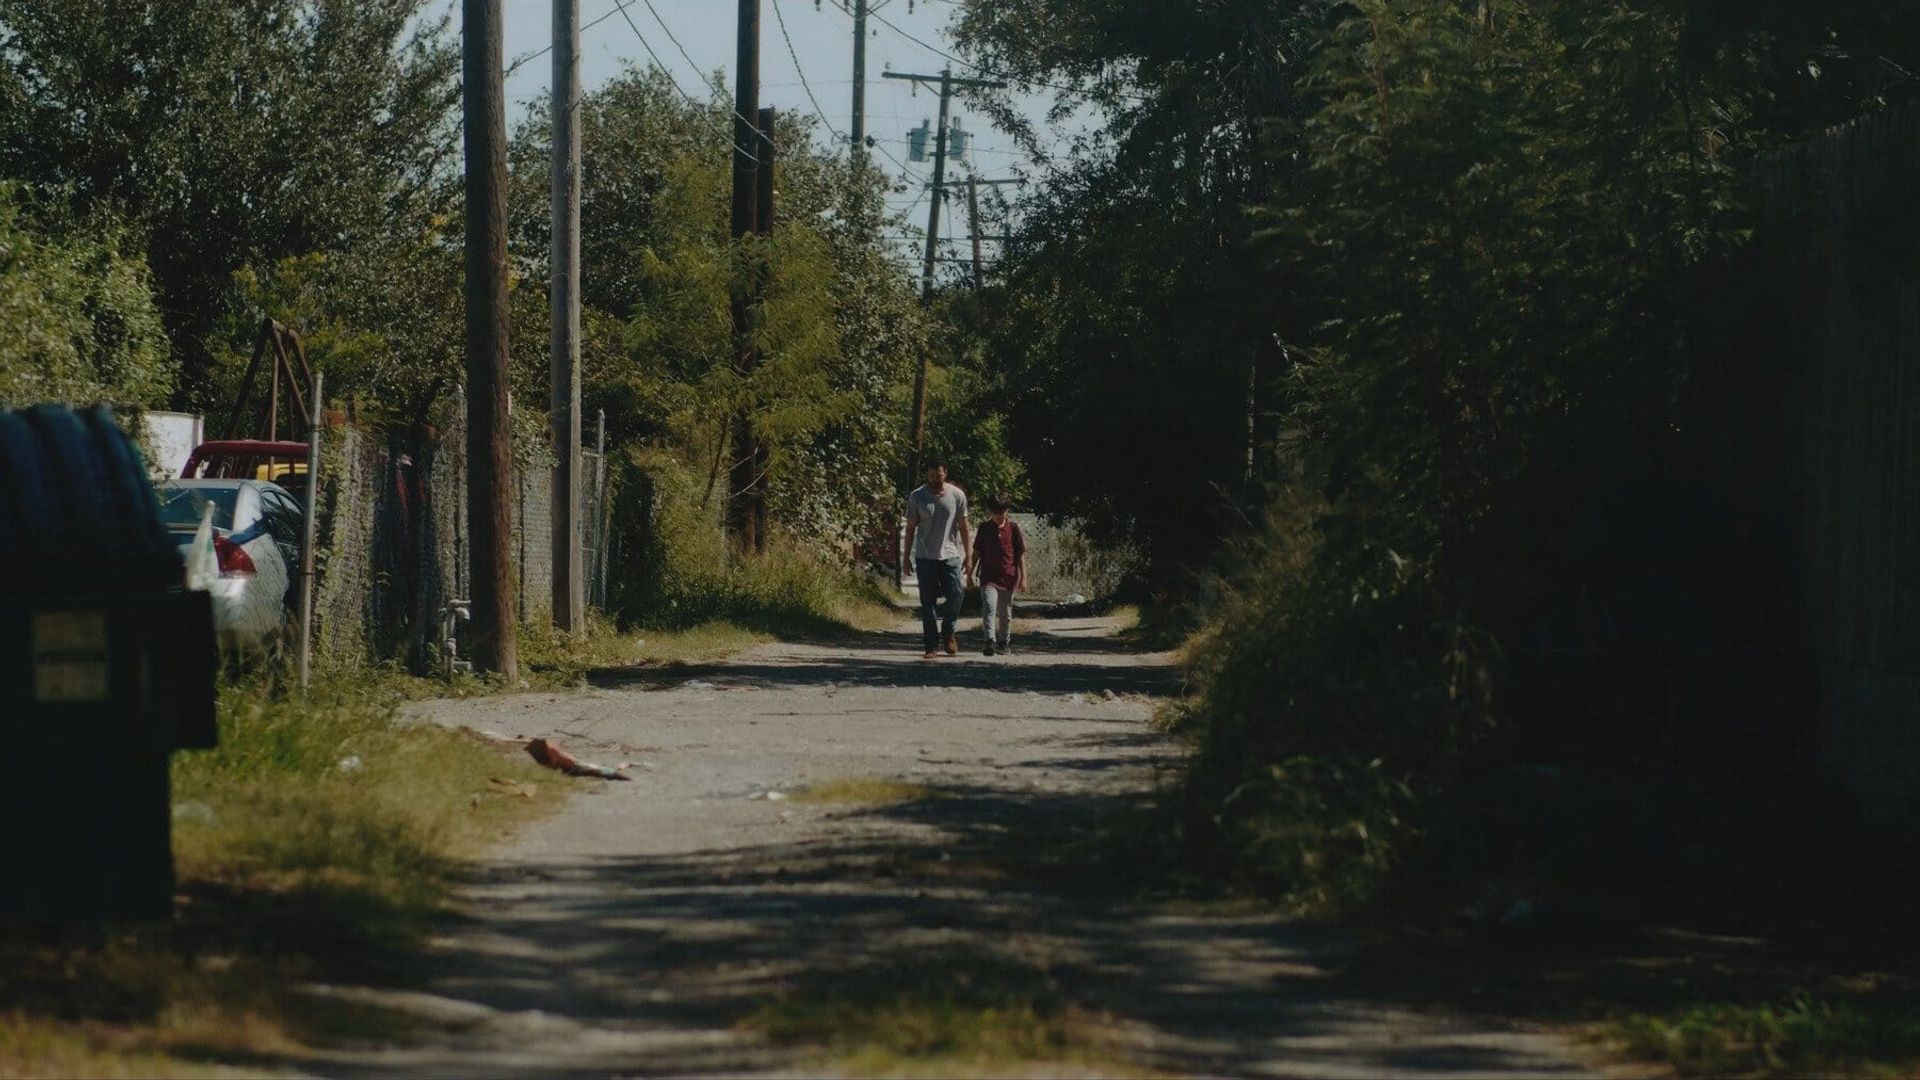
(953, 645)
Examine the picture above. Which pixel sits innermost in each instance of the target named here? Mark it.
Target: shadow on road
(1005, 902)
(1010, 889)
(1042, 663)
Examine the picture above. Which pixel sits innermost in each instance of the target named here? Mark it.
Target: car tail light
(233, 558)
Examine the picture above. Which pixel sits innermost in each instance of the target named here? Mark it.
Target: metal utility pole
(569, 583)
(947, 83)
(973, 222)
(307, 526)
(489, 465)
(741, 519)
(859, 133)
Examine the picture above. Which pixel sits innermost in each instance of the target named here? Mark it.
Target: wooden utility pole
(754, 453)
(946, 82)
(973, 222)
(741, 520)
(489, 475)
(746, 104)
(859, 132)
(569, 583)
(933, 225)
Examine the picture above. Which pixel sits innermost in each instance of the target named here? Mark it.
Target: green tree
(837, 332)
(229, 134)
(1132, 334)
(1487, 256)
(81, 325)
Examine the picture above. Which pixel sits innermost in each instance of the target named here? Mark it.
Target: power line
(780, 18)
(984, 70)
(752, 125)
(915, 204)
(540, 52)
(904, 168)
(668, 72)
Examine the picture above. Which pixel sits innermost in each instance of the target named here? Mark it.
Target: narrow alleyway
(671, 924)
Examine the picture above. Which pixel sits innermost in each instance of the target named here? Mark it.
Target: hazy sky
(823, 42)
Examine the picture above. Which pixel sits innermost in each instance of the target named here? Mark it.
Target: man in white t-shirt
(940, 540)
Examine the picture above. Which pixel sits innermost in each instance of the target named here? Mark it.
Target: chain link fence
(392, 547)
(1062, 562)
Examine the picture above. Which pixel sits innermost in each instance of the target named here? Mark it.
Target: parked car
(255, 531)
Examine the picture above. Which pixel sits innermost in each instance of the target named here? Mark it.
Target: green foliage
(1802, 1036)
(384, 320)
(1485, 252)
(836, 332)
(679, 569)
(967, 429)
(229, 134)
(1132, 335)
(81, 325)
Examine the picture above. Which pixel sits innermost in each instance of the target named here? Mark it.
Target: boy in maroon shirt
(1000, 558)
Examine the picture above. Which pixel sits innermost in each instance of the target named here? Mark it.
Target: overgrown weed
(977, 1015)
(1804, 1035)
(681, 570)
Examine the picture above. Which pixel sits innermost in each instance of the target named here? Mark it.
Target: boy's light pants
(996, 615)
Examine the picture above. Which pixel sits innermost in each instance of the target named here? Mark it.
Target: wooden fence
(1808, 399)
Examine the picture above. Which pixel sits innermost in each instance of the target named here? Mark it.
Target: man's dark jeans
(938, 579)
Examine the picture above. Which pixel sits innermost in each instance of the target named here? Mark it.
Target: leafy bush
(674, 566)
(81, 324)
(1493, 351)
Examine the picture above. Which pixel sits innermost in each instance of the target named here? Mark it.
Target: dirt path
(661, 926)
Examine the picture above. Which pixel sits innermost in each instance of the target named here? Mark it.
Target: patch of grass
(1806, 1035)
(864, 791)
(966, 1016)
(316, 842)
(684, 570)
(786, 596)
(939, 1037)
(29, 1047)
(698, 644)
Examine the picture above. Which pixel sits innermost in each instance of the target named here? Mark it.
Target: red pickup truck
(284, 463)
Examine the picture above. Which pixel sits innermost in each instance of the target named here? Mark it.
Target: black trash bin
(107, 665)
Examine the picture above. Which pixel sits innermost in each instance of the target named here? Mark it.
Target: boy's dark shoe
(989, 649)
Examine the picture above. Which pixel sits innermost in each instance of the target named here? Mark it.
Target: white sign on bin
(70, 657)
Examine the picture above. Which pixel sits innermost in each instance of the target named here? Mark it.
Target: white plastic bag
(203, 565)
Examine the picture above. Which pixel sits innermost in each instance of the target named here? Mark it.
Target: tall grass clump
(334, 795)
(1329, 705)
(676, 568)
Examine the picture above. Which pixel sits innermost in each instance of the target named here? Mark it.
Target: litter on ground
(549, 754)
